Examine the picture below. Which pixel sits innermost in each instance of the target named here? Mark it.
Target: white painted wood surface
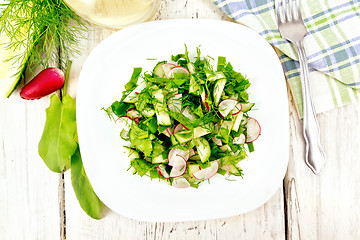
(29, 207)
(316, 207)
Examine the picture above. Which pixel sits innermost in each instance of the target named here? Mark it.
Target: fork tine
(295, 9)
(287, 10)
(279, 11)
(298, 9)
(291, 6)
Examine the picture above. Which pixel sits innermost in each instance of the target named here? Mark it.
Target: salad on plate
(186, 120)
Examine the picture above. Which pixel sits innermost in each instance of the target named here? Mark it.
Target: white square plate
(102, 80)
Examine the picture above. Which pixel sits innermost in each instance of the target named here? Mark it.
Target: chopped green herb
(187, 119)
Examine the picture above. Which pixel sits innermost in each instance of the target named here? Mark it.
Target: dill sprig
(48, 30)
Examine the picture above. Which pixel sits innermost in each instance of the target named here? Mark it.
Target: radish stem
(67, 73)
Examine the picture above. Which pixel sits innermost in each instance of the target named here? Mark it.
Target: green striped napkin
(332, 46)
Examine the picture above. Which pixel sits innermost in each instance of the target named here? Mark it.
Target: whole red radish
(47, 81)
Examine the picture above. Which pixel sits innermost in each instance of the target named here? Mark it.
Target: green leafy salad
(186, 120)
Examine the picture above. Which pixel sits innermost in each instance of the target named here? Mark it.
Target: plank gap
(61, 195)
(285, 210)
(61, 188)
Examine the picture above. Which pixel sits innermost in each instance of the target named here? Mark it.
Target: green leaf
(154, 174)
(198, 111)
(177, 57)
(155, 79)
(120, 108)
(134, 78)
(180, 79)
(251, 146)
(140, 139)
(84, 192)
(152, 125)
(57, 143)
(141, 166)
(158, 149)
(221, 63)
(221, 171)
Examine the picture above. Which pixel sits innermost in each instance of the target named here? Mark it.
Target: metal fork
(292, 28)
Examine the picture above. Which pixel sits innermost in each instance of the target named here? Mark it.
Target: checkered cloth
(332, 46)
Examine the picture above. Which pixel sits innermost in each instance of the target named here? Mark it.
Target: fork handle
(315, 156)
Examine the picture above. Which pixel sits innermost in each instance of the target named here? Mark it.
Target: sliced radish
(177, 96)
(175, 153)
(137, 120)
(226, 168)
(124, 118)
(207, 105)
(180, 182)
(174, 160)
(204, 98)
(166, 133)
(175, 103)
(177, 69)
(253, 130)
(166, 68)
(208, 172)
(187, 113)
(184, 126)
(236, 109)
(169, 130)
(226, 106)
(133, 113)
(179, 167)
(178, 128)
(240, 139)
(125, 122)
(171, 155)
(162, 171)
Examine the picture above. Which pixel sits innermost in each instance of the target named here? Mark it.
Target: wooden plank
(326, 206)
(266, 222)
(29, 203)
(172, 9)
(28, 189)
